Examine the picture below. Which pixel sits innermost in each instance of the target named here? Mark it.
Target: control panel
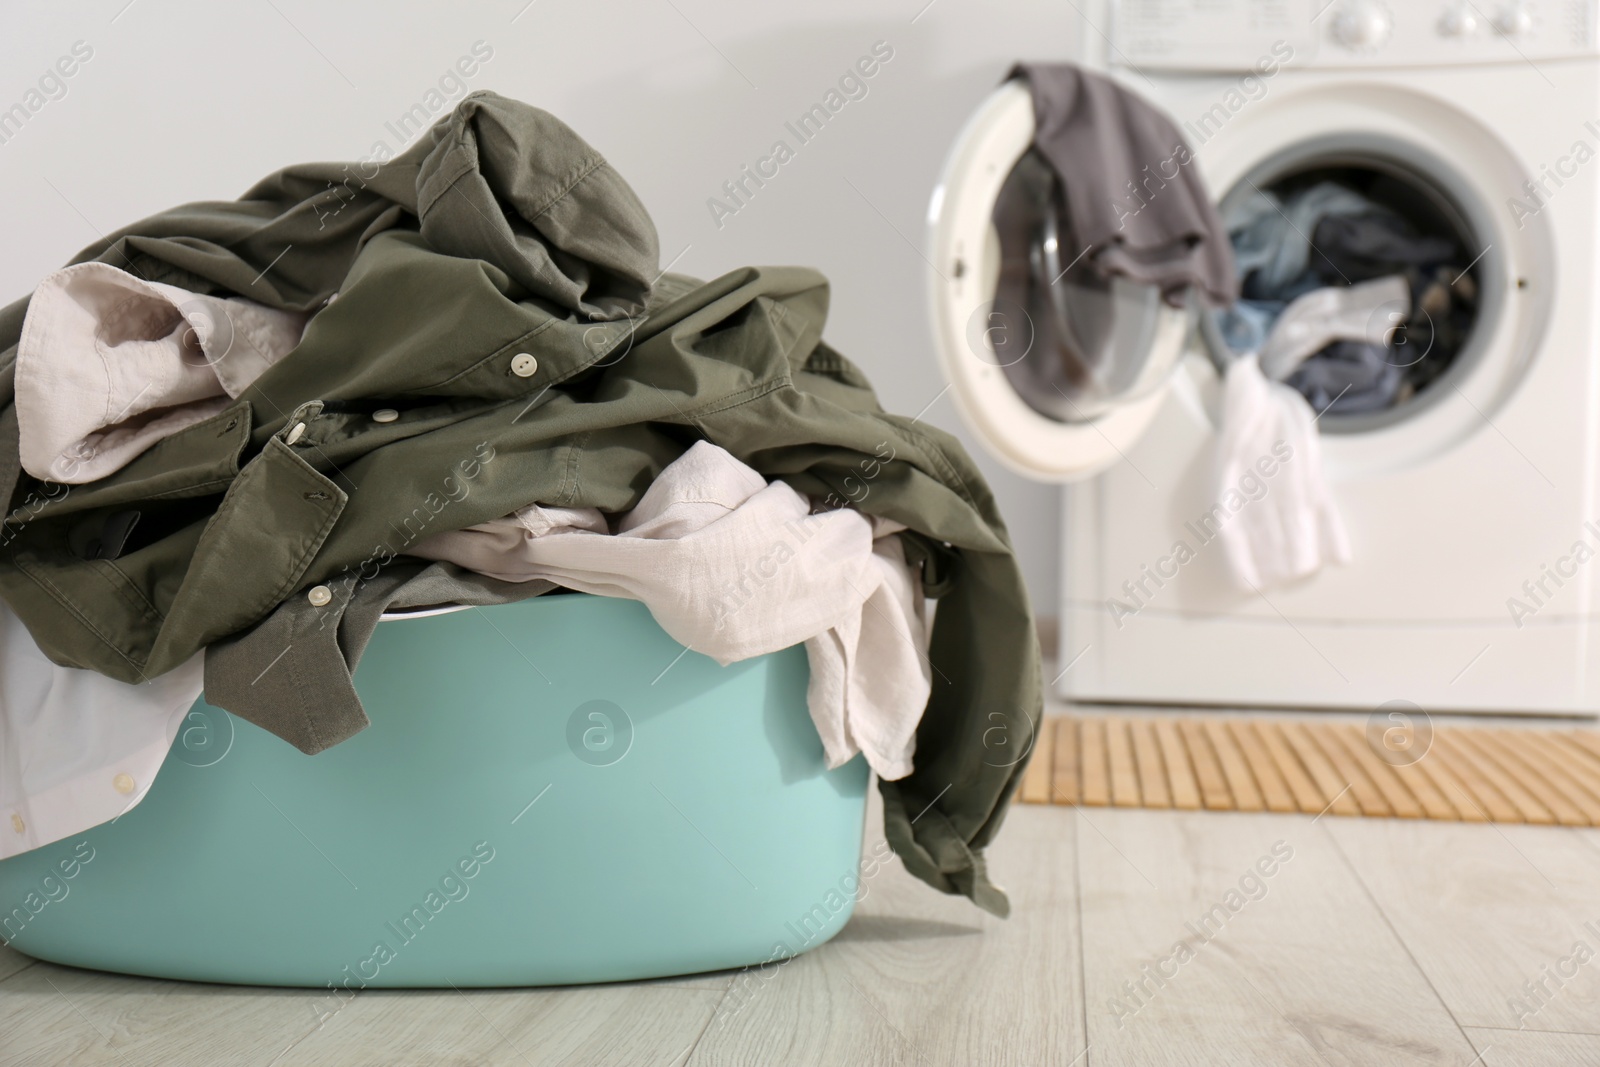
(1229, 35)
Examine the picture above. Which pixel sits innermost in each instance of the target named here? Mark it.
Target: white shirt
(733, 567)
(77, 748)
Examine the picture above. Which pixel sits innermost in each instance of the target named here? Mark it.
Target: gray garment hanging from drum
(1134, 198)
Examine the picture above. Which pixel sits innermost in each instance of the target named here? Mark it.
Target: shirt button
(385, 415)
(524, 365)
(331, 298)
(320, 596)
(294, 434)
(123, 783)
(17, 824)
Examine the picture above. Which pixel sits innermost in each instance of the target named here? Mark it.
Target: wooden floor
(1138, 937)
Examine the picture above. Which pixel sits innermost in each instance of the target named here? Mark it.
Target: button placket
(277, 514)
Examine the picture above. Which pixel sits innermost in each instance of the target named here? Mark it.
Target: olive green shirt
(497, 286)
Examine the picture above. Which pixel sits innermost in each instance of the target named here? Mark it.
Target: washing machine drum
(1087, 343)
(1057, 367)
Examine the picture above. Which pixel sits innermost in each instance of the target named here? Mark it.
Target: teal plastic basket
(550, 792)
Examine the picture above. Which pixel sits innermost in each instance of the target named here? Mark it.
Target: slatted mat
(1458, 773)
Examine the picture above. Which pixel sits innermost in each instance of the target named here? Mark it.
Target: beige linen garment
(733, 567)
(109, 364)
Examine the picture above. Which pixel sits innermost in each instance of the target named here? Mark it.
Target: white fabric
(67, 736)
(733, 567)
(870, 673)
(1368, 312)
(1293, 528)
(108, 364)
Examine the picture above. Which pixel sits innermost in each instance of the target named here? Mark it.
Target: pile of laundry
(235, 434)
(1343, 297)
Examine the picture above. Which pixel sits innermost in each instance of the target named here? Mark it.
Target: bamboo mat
(1469, 774)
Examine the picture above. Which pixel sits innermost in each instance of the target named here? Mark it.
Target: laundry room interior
(682, 532)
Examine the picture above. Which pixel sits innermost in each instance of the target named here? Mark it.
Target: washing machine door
(1057, 368)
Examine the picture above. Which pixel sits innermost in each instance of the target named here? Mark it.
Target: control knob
(1459, 22)
(1362, 25)
(1513, 20)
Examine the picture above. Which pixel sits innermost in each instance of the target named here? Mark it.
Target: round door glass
(1073, 342)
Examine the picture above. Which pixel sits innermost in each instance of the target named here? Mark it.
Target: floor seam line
(19, 970)
(1083, 977)
(1536, 1030)
(701, 1036)
(1372, 898)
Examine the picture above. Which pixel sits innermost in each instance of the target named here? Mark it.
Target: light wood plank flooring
(1138, 937)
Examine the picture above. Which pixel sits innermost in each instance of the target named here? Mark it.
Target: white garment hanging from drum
(1269, 437)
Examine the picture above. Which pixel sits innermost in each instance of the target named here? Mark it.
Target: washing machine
(1469, 503)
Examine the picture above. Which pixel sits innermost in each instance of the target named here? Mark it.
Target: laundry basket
(550, 792)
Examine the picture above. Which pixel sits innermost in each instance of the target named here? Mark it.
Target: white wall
(186, 100)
